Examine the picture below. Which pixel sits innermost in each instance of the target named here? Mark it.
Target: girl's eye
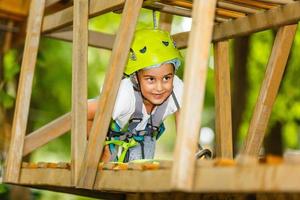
(166, 78)
(150, 80)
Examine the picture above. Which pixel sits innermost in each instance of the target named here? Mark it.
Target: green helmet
(151, 47)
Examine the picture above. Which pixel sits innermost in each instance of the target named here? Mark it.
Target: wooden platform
(211, 176)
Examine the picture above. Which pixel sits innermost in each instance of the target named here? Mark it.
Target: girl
(150, 92)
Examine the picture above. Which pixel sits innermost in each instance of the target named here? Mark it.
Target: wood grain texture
(108, 95)
(79, 86)
(224, 148)
(194, 86)
(47, 133)
(268, 92)
(24, 91)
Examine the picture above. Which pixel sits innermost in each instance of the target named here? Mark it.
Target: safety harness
(129, 137)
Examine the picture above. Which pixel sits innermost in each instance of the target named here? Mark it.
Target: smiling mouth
(158, 96)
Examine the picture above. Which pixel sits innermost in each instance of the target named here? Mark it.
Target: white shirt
(125, 103)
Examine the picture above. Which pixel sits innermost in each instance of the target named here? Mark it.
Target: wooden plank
(268, 92)
(224, 148)
(167, 8)
(235, 7)
(24, 91)
(95, 39)
(258, 4)
(229, 13)
(53, 6)
(278, 1)
(65, 17)
(193, 96)
(260, 178)
(286, 14)
(108, 95)
(79, 86)
(47, 133)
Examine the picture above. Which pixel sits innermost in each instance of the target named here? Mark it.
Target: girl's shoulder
(125, 101)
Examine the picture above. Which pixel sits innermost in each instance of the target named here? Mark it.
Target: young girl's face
(156, 84)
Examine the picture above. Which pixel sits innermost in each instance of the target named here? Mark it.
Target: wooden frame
(185, 174)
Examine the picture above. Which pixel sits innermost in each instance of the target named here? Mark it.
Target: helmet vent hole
(166, 43)
(143, 50)
(132, 55)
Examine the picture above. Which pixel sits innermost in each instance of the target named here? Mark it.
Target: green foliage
(7, 84)
(4, 191)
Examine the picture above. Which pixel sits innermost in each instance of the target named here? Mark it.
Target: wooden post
(165, 21)
(106, 102)
(194, 85)
(276, 65)
(223, 101)
(79, 85)
(14, 159)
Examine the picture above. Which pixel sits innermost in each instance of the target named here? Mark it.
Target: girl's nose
(159, 86)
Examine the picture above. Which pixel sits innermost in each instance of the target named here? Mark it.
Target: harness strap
(137, 116)
(125, 146)
(175, 100)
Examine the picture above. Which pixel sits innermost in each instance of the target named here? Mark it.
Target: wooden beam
(268, 92)
(286, 14)
(167, 8)
(79, 86)
(53, 6)
(258, 4)
(193, 96)
(278, 1)
(223, 101)
(24, 91)
(229, 13)
(47, 133)
(65, 17)
(95, 39)
(273, 178)
(236, 7)
(108, 95)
